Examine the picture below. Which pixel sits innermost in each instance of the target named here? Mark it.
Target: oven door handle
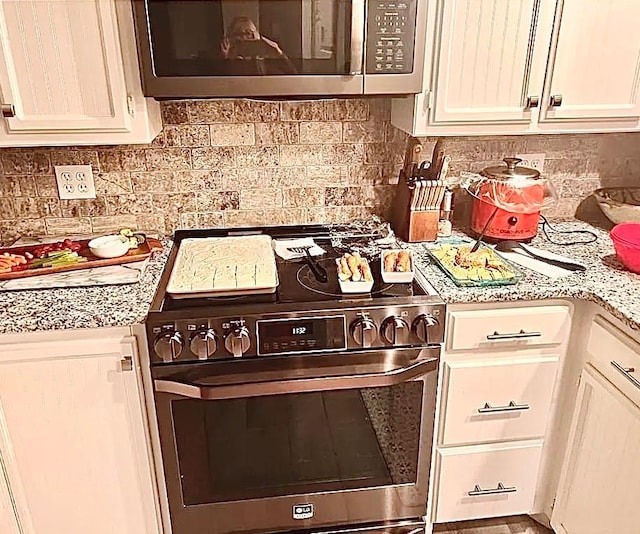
(297, 385)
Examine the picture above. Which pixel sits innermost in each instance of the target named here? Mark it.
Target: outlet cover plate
(75, 181)
(533, 161)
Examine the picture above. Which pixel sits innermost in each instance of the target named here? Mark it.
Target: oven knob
(395, 330)
(203, 343)
(169, 346)
(237, 341)
(421, 325)
(363, 331)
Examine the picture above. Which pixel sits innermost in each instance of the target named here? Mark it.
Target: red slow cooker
(508, 201)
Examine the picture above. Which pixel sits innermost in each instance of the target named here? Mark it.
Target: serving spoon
(514, 246)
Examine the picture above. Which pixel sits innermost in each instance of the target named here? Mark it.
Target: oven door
(299, 442)
(217, 48)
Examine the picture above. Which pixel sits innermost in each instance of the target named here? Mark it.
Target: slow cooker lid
(511, 188)
(511, 171)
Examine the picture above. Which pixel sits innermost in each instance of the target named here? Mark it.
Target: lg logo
(302, 511)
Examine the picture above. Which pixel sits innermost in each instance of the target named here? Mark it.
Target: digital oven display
(277, 336)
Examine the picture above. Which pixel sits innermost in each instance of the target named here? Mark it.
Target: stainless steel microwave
(236, 48)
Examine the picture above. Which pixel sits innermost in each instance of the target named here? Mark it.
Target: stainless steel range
(304, 410)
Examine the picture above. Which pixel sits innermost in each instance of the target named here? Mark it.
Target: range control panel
(295, 333)
(391, 34)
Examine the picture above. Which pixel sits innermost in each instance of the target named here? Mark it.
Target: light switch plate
(75, 181)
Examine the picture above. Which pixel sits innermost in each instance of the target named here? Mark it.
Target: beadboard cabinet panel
(59, 73)
(600, 484)
(66, 75)
(72, 438)
(486, 54)
(595, 63)
(527, 66)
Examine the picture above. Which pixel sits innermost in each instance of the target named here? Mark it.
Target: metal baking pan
(223, 266)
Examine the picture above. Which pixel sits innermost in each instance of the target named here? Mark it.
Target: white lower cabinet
(600, 478)
(73, 450)
(497, 396)
(497, 400)
(600, 487)
(487, 480)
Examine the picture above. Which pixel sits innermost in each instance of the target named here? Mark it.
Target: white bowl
(109, 246)
(393, 277)
(355, 287)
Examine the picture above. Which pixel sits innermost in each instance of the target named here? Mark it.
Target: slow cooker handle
(512, 162)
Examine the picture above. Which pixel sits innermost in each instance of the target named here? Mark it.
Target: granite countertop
(605, 282)
(82, 307)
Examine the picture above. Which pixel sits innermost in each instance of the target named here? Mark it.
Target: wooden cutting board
(145, 250)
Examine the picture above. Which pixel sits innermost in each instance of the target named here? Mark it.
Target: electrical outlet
(75, 181)
(533, 161)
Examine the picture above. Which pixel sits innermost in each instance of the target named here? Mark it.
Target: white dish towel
(523, 259)
(281, 247)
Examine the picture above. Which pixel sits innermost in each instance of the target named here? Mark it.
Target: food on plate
(224, 264)
(41, 251)
(57, 258)
(481, 265)
(135, 238)
(397, 261)
(354, 268)
(12, 262)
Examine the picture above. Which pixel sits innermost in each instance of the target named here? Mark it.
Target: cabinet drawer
(498, 400)
(616, 356)
(501, 480)
(520, 327)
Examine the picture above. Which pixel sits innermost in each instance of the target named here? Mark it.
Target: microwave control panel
(391, 34)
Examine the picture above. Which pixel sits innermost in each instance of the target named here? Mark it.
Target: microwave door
(237, 48)
(395, 46)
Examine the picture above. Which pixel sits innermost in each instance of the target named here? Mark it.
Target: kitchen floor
(520, 524)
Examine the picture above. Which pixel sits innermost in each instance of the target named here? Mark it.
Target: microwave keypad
(390, 36)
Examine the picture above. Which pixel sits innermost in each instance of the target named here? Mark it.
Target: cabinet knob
(555, 101)
(8, 110)
(532, 102)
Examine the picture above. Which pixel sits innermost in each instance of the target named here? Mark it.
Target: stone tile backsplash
(243, 162)
(217, 163)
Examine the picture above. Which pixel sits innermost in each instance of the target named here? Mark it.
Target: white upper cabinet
(594, 65)
(486, 53)
(527, 66)
(66, 75)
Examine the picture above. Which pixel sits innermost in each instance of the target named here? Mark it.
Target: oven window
(297, 443)
(248, 37)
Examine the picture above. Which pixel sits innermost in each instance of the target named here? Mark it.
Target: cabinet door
(8, 517)
(72, 438)
(61, 66)
(595, 64)
(600, 482)
(489, 59)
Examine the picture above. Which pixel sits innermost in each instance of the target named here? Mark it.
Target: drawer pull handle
(514, 335)
(626, 372)
(477, 490)
(511, 407)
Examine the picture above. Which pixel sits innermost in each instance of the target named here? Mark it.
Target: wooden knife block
(412, 226)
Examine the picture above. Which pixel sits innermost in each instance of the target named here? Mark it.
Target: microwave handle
(356, 49)
(298, 385)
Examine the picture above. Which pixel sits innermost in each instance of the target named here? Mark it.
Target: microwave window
(249, 37)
